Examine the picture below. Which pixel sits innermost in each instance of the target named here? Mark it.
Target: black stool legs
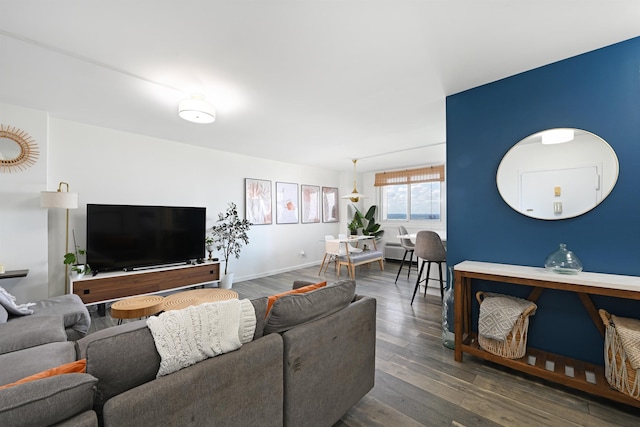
(426, 279)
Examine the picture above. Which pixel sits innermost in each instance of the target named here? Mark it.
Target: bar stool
(429, 247)
(408, 247)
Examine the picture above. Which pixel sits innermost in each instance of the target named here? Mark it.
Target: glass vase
(448, 336)
(563, 261)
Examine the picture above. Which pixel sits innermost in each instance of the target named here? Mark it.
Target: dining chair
(352, 249)
(332, 249)
(430, 249)
(408, 247)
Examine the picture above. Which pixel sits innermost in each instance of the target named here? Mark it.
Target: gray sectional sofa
(37, 342)
(310, 361)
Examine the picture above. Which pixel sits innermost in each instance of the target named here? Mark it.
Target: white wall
(109, 166)
(23, 223)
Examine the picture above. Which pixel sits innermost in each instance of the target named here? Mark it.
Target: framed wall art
(330, 204)
(310, 203)
(258, 201)
(286, 203)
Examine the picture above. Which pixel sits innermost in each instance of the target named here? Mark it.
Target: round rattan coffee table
(197, 296)
(136, 307)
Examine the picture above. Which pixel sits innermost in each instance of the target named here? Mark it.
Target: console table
(563, 370)
(106, 287)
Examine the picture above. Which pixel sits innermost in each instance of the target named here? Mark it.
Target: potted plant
(228, 236)
(208, 243)
(368, 222)
(354, 225)
(73, 259)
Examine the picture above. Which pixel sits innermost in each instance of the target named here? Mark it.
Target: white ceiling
(313, 82)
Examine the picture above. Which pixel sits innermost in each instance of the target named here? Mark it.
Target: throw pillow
(77, 367)
(302, 290)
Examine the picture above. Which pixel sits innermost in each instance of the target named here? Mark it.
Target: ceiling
(311, 82)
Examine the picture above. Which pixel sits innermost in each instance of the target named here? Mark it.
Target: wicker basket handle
(480, 296)
(606, 317)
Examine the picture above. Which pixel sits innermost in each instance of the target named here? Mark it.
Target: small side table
(197, 296)
(136, 307)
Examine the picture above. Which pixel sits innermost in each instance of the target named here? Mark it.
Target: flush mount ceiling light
(354, 196)
(197, 110)
(557, 136)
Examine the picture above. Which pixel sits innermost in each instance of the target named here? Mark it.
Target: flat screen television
(127, 237)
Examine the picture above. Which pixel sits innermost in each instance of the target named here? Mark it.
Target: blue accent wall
(598, 91)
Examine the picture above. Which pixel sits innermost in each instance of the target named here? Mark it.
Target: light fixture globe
(197, 110)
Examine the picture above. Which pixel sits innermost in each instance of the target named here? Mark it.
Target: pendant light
(354, 196)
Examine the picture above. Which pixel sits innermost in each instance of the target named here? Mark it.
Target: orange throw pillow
(302, 290)
(79, 366)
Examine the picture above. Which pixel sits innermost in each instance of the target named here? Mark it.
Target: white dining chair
(332, 250)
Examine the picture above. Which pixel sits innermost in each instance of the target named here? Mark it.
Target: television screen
(124, 237)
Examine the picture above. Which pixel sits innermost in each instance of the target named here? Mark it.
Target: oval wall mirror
(557, 173)
(17, 149)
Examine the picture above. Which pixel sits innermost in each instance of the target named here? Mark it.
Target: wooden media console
(111, 286)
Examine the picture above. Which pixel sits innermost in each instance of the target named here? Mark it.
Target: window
(411, 195)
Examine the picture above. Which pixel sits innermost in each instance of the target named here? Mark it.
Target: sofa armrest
(47, 401)
(27, 331)
(329, 364)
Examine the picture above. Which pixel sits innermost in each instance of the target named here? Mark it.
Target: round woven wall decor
(28, 150)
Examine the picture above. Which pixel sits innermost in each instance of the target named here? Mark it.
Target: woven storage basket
(515, 345)
(617, 369)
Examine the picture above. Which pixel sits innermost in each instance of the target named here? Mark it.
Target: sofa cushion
(3, 314)
(76, 318)
(47, 401)
(132, 346)
(294, 309)
(35, 359)
(77, 367)
(298, 290)
(25, 332)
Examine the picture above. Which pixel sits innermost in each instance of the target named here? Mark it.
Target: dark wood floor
(419, 384)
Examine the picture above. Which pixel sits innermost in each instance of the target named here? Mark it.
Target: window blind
(410, 176)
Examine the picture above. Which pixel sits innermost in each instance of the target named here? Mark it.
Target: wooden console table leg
(592, 311)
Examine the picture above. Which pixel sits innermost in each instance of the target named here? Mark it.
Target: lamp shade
(197, 110)
(58, 199)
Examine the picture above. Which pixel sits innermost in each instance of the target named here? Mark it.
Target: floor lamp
(62, 200)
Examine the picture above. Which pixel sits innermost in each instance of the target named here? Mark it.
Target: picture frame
(330, 210)
(286, 203)
(310, 204)
(258, 201)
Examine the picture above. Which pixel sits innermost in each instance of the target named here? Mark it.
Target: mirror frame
(511, 162)
(28, 149)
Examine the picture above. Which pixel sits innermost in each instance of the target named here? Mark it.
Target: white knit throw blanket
(498, 315)
(8, 301)
(185, 337)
